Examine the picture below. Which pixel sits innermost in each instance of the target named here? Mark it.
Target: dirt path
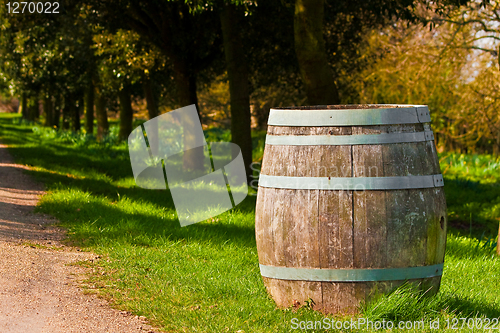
(38, 289)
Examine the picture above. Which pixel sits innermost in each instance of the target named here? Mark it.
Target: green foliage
(216, 134)
(477, 168)
(44, 50)
(450, 66)
(77, 139)
(124, 58)
(214, 103)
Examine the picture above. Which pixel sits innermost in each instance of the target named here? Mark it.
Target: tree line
(95, 56)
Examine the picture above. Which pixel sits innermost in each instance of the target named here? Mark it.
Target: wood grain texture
(343, 229)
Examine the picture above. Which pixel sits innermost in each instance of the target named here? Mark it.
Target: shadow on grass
(466, 201)
(101, 218)
(470, 308)
(53, 157)
(161, 198)
(407, 303)
(105, 219)
(99, 222)
(472, 249)
(411, 306)
(110, 167)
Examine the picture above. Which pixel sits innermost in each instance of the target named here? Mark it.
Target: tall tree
(24, 105)
(33, 108)
(149, 94)
(152, 111)
(101, 115)
(89, 108)
(124, 58)
(46, 52)
(315, 70)
(237, 71)
(323, 62)
(255, 42)
(57, 110)
(185, 39)
(126, 112)
(48, 108)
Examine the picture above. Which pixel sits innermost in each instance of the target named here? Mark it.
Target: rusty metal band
(351, 183)
(404, 114)
(346, 140)
(351, 275)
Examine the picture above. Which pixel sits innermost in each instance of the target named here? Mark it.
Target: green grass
(472, 192)
(205, 277)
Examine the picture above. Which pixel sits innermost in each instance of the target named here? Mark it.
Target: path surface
(38, 289)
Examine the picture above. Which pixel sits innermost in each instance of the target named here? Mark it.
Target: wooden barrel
(350, 205)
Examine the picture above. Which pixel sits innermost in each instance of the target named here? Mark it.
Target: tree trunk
(57, 111)
(150, 98)
(185, 82)
(311, 54)
(33, 109)
(24, 106)
(36, 107)
(75, 113)
(66, 112)
(48, 109)
(498, 241)
(237, 71)
(102, 117)
(126, 113)
(89, 109)
(152, 113)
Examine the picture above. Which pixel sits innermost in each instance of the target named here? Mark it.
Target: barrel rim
(350, 107)
(383, 114)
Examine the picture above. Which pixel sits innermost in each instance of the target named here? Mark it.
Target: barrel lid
(349, 115)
